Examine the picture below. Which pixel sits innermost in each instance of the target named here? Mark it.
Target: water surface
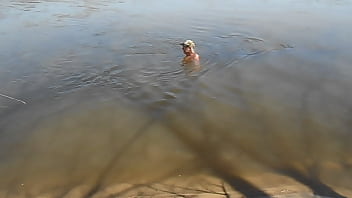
(108, 102)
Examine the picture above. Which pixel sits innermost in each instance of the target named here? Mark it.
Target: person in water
(188, 48)
(191, 59)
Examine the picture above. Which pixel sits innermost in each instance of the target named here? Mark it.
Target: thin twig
(166, 191)
(227, 195)
(195, 190)
(11, 98)
(206, 187)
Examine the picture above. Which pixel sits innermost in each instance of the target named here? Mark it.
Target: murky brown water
(107, 101)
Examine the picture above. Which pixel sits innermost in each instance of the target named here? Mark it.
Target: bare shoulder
(196, 57)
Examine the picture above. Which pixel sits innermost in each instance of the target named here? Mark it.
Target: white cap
(189, 43)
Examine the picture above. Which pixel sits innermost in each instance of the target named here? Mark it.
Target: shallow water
(107, 100)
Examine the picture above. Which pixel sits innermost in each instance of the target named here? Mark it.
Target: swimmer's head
(188, 47)
(188, 43)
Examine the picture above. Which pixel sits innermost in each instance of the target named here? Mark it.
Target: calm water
(108, 102)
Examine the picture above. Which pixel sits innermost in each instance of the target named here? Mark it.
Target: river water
(93, 94)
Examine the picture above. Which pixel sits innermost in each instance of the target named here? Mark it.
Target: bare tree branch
(12, 98)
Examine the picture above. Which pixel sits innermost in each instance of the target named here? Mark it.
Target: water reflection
(110, 112)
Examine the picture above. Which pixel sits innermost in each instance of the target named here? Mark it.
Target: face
(187, 50)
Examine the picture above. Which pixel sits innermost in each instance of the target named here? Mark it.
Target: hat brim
(185, 45)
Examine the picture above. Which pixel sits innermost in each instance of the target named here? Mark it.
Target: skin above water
(105, 92)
